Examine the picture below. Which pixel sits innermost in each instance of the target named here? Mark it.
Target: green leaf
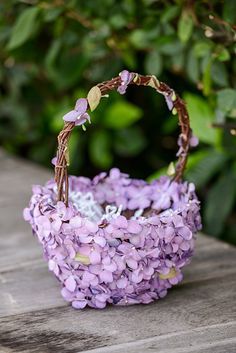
(129, 141)
(219, 203)
(226, 99)
(201, 118)
(153, 63)
(229, 11)
(99, 149)
(192, 67)
(24, 27)
(94, 97)
(185, 26)
(121, 114)
(219, 74)
(203, 165)
(169, 13)
(202, 48)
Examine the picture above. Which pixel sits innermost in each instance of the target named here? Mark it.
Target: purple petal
(106, 276)
(132, 263)
(70, 284)
(122, 89)
(71, 116)
(100, 241)
(169, 102)
(82, 119)
(185, 232)
(134, 227)
(193, 141)
(54, 161)
(81, 105)
(79, 304)
(121, 222)
(122, 282)
(125, 76)
(95, 257)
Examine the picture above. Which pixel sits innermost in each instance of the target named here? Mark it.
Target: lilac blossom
(78, 115)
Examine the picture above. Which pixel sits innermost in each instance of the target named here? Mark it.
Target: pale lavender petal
(70, 284)
(82, 119)
(106, 276)
(95, 257)
(71, 116)
(79, 304)
(81, 105)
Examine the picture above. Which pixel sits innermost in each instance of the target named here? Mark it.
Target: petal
(121, 222)
(185, 233)
(95, 257)
(82, 119)
(76, 222)
(106, 276)
(91, 227)
(132, 263)
(100, 241)
(70, 284)
(81, 105)
(54, 161)
(71, 116)
(122, 282)
(193, 141)
(125, 76)
(79, 304)
(134, 227)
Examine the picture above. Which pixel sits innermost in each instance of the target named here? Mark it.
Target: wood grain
(196, 316)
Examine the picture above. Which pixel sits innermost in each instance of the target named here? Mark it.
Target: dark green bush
(52, 52)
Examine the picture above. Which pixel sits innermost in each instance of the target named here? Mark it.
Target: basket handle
(175, 103)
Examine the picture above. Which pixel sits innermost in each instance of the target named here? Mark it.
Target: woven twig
(61, 175)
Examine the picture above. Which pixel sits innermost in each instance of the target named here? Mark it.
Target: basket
(114, 239)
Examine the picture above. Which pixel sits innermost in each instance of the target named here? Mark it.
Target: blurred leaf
(202, 48)
(121, 114)
(185, 26)
(192, 67)
(201, 118)
(226, 99)
(206, 80)
(169, 13)
(129, 142)
(100, 149)
(229, 11)
(24, 27)
(219, 74)
(138, 38)
(153, 63)
(219, 202)
(203, 165)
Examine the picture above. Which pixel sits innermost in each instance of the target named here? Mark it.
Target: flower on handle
(126, 78)
(78, 115)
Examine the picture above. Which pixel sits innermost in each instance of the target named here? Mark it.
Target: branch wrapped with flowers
(79, 116)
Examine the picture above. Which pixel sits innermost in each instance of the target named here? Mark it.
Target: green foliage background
(52, 52)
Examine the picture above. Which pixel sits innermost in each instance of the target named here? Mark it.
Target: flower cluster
(133, 257)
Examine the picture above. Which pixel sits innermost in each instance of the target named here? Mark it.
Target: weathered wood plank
(197, 316)
(192, 305)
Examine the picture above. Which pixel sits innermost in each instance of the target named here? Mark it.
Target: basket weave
(114, 239)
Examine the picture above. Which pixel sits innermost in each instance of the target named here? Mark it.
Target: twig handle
(174, 102)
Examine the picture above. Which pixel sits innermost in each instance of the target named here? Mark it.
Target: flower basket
(114, 239)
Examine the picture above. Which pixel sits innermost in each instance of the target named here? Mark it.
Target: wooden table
(199, 315)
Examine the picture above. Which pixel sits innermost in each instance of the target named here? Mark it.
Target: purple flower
(78, 115)
(126, 78)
